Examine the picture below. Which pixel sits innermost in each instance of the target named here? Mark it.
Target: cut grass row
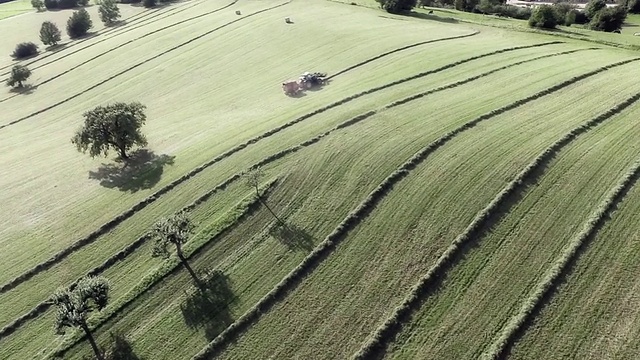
(491, 277)
(602, 285)
(129, 248)
(328, 245)
(139, 316)
(114, 222)
(378, 341)
(42, 306)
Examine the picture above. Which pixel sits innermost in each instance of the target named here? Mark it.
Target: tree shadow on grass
(120, 349)
(207, 306)
(142, 171)
(420, 15)
(24, 89)
(294, 237)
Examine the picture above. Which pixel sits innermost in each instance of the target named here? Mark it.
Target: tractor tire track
(377, 343)
(108, 226)
(116, 47)
(353, 219)
(129, 249)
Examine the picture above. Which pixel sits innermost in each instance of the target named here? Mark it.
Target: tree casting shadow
(292, 236)
(142, 171)
(207, 306)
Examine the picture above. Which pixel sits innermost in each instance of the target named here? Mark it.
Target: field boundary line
(544, 289)
(185, 43)
(355, 217)
(153, 197)
(116, 47)
(384, 334)
(227, 223)
(122, 254)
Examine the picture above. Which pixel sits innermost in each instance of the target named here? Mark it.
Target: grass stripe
(354, 218)
(379, 339)
(544, 290)
(153, 197)
(121, 255)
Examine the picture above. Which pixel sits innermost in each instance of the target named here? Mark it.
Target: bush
(51, 4)
(109, 12)
(19, 74)
(544, 17)
(397, 6)
(634, 6)
(564, 15)
(149, 3)
(49, 33)
(79, 23)
(593, 6)
(25, 50)
(608, 19)
(37, 4)
(579, 17)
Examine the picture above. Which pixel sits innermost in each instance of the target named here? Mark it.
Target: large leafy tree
(49, 33)
(19, 74)
(175, 231)
(79, 23)
(116, 126)
(593, 6)
(73, 306)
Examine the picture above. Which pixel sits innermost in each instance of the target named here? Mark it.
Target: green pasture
(14, 8)
(211, 81)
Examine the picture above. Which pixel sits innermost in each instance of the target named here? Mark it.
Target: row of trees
(118, 127)
(596, 15)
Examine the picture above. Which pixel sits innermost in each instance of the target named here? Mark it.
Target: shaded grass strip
(353, 219)
(108, 226)
(384, 334)
(118, 46)
(171, 265)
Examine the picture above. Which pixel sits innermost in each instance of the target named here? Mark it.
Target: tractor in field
(305, 81)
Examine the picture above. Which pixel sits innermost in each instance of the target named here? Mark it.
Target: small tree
(593, 6)
(173, 230)
(74, 306)
(253, 180)
(37, 4)
(49, 33)
(24, 50)
(109, 12)
(544, 16)
(114, 126)
(79, 23)
(19, 74)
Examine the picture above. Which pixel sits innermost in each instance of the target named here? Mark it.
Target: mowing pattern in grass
(360, 213)
(43, 306)
(601, 285)
(376, 345)
(141, 205)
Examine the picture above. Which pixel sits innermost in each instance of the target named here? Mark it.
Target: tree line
(597, 16)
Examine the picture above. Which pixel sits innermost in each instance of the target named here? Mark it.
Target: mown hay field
(442, 194)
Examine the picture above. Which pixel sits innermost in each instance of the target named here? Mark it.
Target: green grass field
(443, 193)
